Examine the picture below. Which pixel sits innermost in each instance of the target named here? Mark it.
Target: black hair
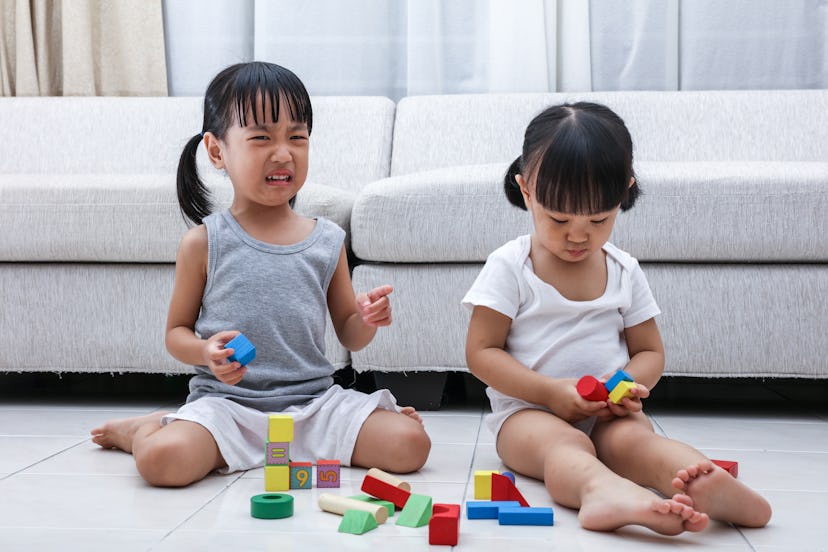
(580, 156)
(232, 94)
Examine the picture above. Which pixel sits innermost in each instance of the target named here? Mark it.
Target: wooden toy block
(277, 454)
(277, 478)
(591, 389)
(483, 484)
(619, 376)
(271, 506)
(300, 475)
(623, 389)
(487, 509)
(341, 504)
(526, 516)
(417, 511)
(279, 428)
(392, 480)
(729, 466)
(504, 489)
(444, 526)
(357, 522)
(327, 473)
(380, 488)
(243, 351)
(510, 475)
(371, 500)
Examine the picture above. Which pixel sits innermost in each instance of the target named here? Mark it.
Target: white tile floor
(59, 491)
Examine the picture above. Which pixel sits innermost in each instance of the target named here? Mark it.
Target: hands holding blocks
(614, 390)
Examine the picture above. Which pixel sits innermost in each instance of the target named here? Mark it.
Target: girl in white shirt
(562, 303)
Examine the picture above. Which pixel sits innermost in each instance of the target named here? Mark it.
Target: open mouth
(279, 179)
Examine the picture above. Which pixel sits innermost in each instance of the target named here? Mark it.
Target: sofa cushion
(690, 211)
(433, 132)
(350, 144)
(116, 217)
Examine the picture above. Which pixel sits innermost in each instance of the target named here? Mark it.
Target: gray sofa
(731, 229)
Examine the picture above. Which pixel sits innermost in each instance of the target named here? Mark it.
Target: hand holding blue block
(243, 351)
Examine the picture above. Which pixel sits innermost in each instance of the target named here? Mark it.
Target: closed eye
(558, 221)
(600, 221)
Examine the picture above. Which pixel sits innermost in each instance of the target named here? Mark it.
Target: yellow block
(483, 484)
(280, 428)
(621, 390)
(277, 478)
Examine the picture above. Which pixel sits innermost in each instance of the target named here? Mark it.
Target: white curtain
(398, 48)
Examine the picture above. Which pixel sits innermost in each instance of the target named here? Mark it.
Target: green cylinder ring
(271, 506)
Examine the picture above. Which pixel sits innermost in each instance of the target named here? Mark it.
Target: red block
(444, 526)
(591, 389)
(504, 490)
(729, 466)
(384, 491)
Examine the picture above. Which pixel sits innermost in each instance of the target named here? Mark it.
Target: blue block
(620, 375)
(510, 475)
(243, 351)
(526, 516)
(487, 509)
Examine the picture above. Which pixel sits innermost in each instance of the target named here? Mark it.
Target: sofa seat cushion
(690, 211)
(114, 217)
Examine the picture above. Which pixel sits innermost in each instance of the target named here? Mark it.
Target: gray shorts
(325, 428)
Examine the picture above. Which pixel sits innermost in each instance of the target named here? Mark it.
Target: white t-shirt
(551, 334)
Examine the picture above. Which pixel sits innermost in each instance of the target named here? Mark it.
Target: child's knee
(158, 465)
(410, 449)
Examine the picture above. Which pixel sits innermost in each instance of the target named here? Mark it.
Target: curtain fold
(411, 47)
(82, 48)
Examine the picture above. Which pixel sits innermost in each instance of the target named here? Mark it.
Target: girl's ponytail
(511, 186)
(193, 196)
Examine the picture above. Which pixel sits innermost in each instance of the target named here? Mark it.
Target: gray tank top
(277, 296)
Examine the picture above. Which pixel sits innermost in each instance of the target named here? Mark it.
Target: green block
(417, 511)
(357, 522)
(371, 500)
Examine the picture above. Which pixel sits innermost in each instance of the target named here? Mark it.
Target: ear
(527, 197)
(632, 182)
(213, 146)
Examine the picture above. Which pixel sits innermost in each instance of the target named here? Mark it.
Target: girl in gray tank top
(261, 269)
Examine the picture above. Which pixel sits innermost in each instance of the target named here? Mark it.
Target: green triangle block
(357, 522)
(417, 511)
(371, 500)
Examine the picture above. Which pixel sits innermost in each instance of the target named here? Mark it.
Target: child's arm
(645, 366)
(356, 317)
(489, 362)
(185, 304)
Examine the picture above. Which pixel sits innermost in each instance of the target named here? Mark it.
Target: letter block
(444, 526)
(300, 475)
(327, 473)
(277, 454)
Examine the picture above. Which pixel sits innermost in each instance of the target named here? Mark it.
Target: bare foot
(722, 496)
(411, 413)
(630, 504)
(120, 433)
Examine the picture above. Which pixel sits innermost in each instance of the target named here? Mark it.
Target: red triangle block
(504, 489)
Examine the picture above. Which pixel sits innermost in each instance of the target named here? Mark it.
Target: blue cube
(243, 351)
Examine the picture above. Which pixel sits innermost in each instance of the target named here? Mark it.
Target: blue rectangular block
(243, 351)
(526, 516)
(488, 509)
(620, 375)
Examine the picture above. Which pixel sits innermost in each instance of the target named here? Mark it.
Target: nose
(280, 153)
(578, 234)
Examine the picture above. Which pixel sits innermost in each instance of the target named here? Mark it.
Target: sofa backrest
(433, 132)
(350, 143)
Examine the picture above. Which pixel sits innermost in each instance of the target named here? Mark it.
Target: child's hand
(215, 356)
(374, 307)
(569, 405)
(629, 404)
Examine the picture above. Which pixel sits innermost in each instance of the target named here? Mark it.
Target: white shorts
(325, 428)
(502, 408)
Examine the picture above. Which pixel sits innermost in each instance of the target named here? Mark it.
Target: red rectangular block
(384, 491)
